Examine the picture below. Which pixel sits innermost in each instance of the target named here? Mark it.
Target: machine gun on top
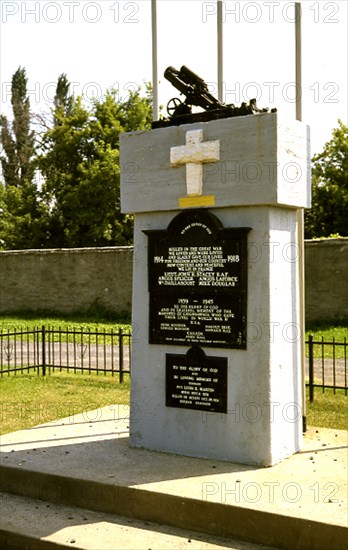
(197, 94)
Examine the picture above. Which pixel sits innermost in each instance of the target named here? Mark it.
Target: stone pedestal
(252, 175)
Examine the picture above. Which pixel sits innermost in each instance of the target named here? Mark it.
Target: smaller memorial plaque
(196, 381)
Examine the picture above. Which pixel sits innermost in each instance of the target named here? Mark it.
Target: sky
(107, 44)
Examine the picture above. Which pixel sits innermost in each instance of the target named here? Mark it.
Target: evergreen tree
(21, 208)
(62, 100)
(18, 141)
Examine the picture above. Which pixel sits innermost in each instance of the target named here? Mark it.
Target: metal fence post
(37, 350)
(334, 364)
(345, 366)
(43, 351)
(311, 368)
(120, 351)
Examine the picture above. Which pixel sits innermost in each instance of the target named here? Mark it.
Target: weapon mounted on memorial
(197, 94)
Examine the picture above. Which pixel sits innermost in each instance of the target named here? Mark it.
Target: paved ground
(81, 356)
(106, 357)
(309, 487)
(331, 373)
(88, 530)
(311, 483)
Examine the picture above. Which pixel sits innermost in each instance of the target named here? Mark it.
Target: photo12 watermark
(71, 12)
(44, 92)
(252, 412)
(270, 92)
(271, 12)
(252, 492)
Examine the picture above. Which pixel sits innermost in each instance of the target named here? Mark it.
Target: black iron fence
(19, 350)
(326, 365)
(47, 349)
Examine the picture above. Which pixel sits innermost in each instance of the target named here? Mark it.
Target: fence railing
(19, 350)
(47, 350)
(326, 365)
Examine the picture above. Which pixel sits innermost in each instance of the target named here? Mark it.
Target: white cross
(194, 154)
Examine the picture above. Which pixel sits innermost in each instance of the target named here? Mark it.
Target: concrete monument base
(258, 182)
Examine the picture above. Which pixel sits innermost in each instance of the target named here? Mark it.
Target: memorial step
(85, 461)
(37, 525)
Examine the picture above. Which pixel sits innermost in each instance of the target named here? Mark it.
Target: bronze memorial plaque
(197, 273)
(195, 381)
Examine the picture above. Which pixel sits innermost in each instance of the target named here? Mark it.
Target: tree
(80, 165)
(21, 208)
(77, 153)
(18, 142)
(62, 100)
(329, 212)
(3, 216)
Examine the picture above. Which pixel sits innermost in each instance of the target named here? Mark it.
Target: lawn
(328, 333)
(33, 320)
(29, 400)
(328, 410)
(108, 328)
(90, 325)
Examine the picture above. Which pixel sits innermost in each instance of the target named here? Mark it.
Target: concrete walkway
(50, 525)
(85, 461)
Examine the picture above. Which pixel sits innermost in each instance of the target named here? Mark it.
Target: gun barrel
(190, 77)
(193, 87)
(174, 78)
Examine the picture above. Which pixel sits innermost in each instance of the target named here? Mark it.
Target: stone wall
(69, 280)
(326, 272)
(66, 280)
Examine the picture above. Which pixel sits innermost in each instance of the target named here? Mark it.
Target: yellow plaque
(198, 200)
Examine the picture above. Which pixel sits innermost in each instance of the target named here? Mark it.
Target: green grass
(105, 320)
(94, 314)
(328, 410)
(29, 400)
(328, 331)
(78, 322)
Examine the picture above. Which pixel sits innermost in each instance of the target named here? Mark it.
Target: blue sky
(106, 43)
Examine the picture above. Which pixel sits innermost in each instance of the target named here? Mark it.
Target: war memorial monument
(216, 384)
(216, 360)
